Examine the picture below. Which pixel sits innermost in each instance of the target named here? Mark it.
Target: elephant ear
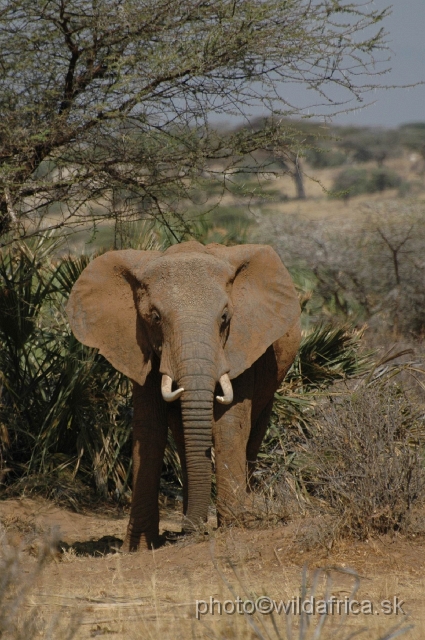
(265, 303)
(102, 311)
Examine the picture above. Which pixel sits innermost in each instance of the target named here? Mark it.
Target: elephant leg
(269, 371)
(175, 424)
(256, 436)
(230, 434)
(149, 441)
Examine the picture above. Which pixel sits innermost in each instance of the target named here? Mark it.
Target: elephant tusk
(226, 385)
(167, 394)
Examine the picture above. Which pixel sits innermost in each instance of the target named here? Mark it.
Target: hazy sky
(406, 39)
(406, 27)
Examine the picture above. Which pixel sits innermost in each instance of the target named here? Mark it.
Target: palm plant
(63, 408)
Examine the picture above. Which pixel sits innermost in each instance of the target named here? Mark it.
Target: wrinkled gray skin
(192, 315)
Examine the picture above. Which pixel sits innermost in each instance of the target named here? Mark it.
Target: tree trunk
(298, 179)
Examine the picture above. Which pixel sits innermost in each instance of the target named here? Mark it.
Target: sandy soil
(152, 594)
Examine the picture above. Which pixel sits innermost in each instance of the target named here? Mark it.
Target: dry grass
(319, 181)
(153, 594)
(19, 576)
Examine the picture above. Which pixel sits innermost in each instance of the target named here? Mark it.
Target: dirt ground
(153, 594)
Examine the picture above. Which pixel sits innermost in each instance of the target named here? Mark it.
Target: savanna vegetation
(112, 136)
(66, 413)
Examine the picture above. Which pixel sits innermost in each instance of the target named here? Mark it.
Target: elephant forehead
(188, 279)
(188, 268)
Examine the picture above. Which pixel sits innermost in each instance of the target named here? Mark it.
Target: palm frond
(327, 354)
(59, 399)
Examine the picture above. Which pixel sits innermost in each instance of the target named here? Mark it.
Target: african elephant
(181, 324)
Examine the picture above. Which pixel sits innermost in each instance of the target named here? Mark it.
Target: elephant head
(198, 315)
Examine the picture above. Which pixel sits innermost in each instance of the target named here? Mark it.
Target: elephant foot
(194, 525)
(134, 543)
(236, 517)
(174, 536)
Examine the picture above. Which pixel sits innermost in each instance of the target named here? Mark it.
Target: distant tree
(354, 181)
(106, 105)
(413, 137)
(365, 144)
(321, 157)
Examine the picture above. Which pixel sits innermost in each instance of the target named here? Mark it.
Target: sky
(405, 28)
(406, 36)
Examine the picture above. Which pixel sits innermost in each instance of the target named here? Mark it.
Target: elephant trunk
(198, 366)
(197, 415)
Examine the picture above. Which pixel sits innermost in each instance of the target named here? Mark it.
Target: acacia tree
(106, 105)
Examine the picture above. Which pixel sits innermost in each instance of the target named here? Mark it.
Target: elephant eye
(155, 316)
(225, 316)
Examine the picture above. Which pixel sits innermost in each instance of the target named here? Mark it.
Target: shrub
(65, 412)
(365, 459)
(369, 268)
(64, 409)
(381, 179)
(350, 182)
(326, 355)
(356, 181)
(365, 144)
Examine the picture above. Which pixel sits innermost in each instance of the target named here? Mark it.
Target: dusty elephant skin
(207, 334)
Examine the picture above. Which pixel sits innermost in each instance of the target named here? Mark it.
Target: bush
(366, 144)
(365, 459)
(353, 459)
(65, 412)
(326, 355)
(356, 181)
(350, 182)
(382, 179)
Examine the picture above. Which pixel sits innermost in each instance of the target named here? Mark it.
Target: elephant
(206, 334)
